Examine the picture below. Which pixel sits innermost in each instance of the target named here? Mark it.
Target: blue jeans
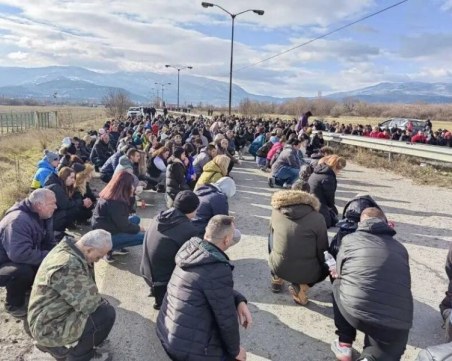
(286, 175)
(122, 240)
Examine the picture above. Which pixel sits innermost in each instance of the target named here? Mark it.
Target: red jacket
(418, 138)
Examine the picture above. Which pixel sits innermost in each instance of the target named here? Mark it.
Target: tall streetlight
(163, 88)
(233, 16)
(178, 68)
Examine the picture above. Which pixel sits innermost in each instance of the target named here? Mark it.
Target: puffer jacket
(165, 235)
(374, 283)
(299, 238)
(198, 317)
(287, 158)
(211, 174)
(211, 203)
(100, 153)
(44, 170)
(175, 178)
(64, 294)
(323, 185)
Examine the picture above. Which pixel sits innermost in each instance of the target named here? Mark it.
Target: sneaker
(58, 353)
(101, 356)
(298, 293)
(17, 312)
(271, 182)
(277, 284)
(109, 258)
(343, 352)
(120, 252)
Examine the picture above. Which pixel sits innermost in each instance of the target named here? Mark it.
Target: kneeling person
(66, 314)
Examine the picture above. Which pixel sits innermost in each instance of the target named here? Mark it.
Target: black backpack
(350, 219)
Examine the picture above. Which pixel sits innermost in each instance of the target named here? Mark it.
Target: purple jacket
(24, 237)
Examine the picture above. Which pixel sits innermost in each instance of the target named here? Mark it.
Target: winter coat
(153, 170)
(64, 294)
(164, 237)
(175, 178)
(190, 170)
(100, 153)
(211, 174)
(24, 237)
(374, 283)
(256, 144)
(274, 149)
(67, 207)
(299, 238)
(323, 185)
(113, 216)
(287, 158)
(263, 151)
(44, 170)
(198, 317)
(211, 203)
(111, 163)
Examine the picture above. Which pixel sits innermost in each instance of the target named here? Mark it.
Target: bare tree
(117, 102)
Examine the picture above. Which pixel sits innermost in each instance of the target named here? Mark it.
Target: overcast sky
(410, 42)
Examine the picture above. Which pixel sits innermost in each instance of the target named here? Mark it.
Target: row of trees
(322, 107)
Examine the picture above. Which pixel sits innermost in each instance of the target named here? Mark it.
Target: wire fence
(16, 122)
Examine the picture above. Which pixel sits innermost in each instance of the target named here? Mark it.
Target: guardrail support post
(390, 156)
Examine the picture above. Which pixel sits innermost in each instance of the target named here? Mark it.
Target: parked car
(135, 112)
(402, 123)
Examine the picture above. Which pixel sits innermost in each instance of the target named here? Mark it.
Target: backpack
(263, 151)
(350, 219)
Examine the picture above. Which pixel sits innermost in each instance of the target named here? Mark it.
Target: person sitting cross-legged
(67, 317)
(26, 236)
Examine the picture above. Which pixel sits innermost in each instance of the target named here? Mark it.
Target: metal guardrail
(425, 151)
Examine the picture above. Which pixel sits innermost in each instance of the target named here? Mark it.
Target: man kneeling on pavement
(200, 314)
(66, 315)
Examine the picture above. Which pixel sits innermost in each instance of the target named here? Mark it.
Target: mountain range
(76, 84)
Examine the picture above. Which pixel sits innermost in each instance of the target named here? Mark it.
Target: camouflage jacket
(64, 294)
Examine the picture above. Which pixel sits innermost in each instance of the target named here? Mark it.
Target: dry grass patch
(413, 168)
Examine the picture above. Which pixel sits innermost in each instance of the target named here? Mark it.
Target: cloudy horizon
(408, 43)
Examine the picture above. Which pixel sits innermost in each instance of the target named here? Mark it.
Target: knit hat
(186, 201)
(50, 156)
(226, 185)
(77, 167)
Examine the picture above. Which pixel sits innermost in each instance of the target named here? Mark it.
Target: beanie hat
(50, 156)
(226, 185)
(186, 201)
(77, 167)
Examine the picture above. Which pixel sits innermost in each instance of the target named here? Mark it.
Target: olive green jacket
(64, 294)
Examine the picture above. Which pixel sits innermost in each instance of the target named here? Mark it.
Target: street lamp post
(233, 16)
(163, 88)
(178, 68)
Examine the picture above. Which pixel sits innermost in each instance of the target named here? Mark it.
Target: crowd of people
(49, 276)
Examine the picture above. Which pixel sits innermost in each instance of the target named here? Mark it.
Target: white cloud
(17, 55)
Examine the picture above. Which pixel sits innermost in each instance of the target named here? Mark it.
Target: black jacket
(68, 208)
(211, 203)
(165, 235)
(175, 178)
(374, 283)
(198, 317)
(323, 184)
(446, 303)
(113, 216)
(100, 153)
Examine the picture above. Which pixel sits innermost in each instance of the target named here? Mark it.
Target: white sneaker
(342, 353)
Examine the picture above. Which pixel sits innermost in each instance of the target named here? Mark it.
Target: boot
(277, 284)
(299, 293)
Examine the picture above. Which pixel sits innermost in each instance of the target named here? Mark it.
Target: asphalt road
(282, 330)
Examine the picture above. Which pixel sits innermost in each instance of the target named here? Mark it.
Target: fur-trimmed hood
(293, 197)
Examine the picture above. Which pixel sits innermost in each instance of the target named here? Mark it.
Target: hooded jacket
(374, 283)
(211, 174)
(200, 161)
(212, 201)
(323, 185)
(175, 178)
(198, 318)
(44, 170)
(299, 238)
(100, 153)
(111, 163)
(24, 237)
(165, 235)
(64, 294)
(287, 158)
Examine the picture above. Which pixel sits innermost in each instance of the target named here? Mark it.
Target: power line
(323, 36)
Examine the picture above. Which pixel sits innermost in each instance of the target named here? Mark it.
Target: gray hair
(219, 227)
(40, 196)
(98, 238)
